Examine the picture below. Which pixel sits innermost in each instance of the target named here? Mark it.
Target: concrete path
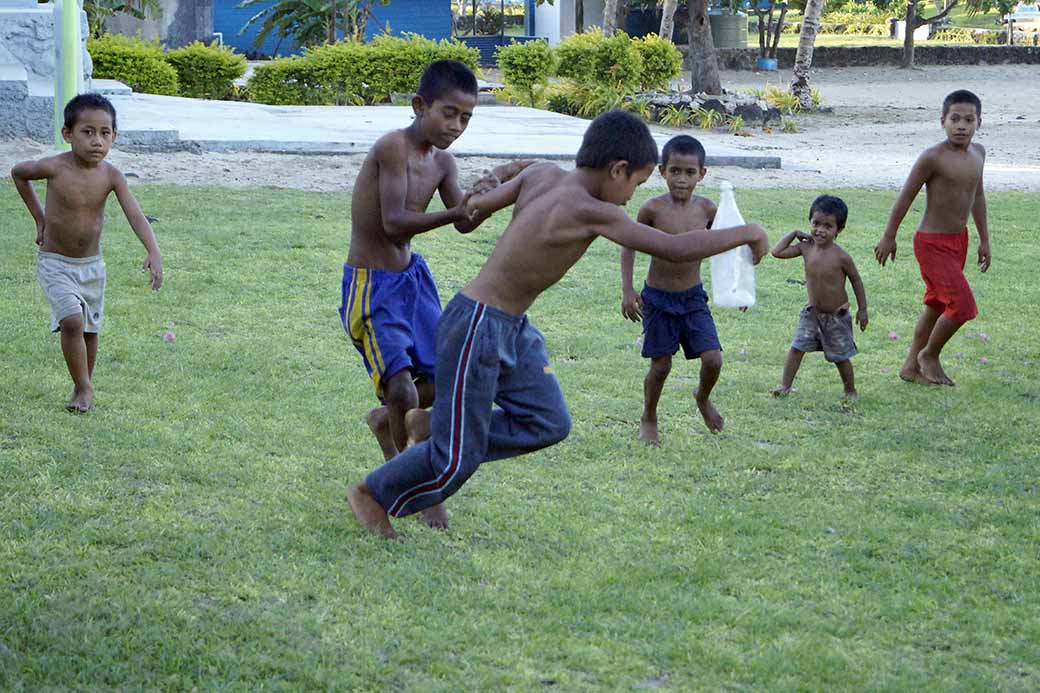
(155, 122)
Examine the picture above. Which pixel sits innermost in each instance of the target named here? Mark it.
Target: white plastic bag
(732, 272)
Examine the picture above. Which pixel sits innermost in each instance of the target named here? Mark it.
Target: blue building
(433, 19)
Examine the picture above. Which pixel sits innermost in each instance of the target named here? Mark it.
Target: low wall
(866, 56)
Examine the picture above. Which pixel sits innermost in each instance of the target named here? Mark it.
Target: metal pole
(69, 70)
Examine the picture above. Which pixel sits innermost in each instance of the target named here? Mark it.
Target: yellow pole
(70, 68)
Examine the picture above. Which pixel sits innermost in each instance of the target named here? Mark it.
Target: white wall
(556, 22)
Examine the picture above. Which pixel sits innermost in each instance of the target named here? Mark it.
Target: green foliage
(967, 36)
(287, 81)
(708, 118)
(662, 61)
(781, 98)
(206, 71)
(788, 125)
(736, 123)
(310, 22)
(575, 55)
(640, 106)
(527, 67)
(675, 116)
(617, 63)
(816, 97)
(559, 100)
(350, 72)
(136, 63)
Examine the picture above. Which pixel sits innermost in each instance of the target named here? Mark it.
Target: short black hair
(443, 76)
(615, 136)
(962, 96)
(835, 206)
(683, 144)
(87, 102)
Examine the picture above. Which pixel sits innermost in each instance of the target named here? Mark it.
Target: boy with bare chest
(489, 353)
(825, 324)
(951, 172)
(390, 304)
(673, 305)
(69, 266)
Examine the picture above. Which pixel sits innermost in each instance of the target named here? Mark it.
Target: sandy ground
(881, 119)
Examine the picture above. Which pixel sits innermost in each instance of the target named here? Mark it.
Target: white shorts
(73, 285)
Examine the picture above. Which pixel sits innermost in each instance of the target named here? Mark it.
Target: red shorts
(941, 257)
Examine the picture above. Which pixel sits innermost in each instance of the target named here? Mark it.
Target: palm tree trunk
(701, 60)
(668, 19)
(803, 58)
(908, 34)
(579, 16)
(610, 10)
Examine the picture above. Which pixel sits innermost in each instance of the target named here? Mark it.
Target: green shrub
(136, 63)
(617, 63)
(662, 61)
(344, 72)
(967, 36)
(287, 81)
(575, 55)
(206, 71)
(397, 63)
(526, 68)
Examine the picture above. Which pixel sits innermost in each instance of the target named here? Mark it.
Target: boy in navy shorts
(673, 305)
(489, 353)
(390, 305)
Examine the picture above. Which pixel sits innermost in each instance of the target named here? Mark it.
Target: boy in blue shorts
(389, 303)
(489, 353)
(673, 304)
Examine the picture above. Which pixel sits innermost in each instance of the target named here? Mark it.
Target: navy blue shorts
(674, 318)
(391, 318)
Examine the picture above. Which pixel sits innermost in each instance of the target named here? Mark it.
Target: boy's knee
(71, 325)
(399, 392)
(559, 426)
(660, 368)
(712, 360)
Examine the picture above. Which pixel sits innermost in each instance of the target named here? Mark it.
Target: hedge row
(353, 73)
(196, 70)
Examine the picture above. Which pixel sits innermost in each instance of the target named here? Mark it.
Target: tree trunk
(803, 58)
(579, 16)
(610, 11)
(330, 34)
(668, 19)
(701, 60)
(908, 35)
(777, 30)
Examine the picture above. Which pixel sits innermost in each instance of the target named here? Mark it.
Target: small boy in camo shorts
(825, 323)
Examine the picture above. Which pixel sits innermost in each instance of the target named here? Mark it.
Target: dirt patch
(882, 118)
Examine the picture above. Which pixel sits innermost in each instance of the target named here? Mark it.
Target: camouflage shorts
(830, 333)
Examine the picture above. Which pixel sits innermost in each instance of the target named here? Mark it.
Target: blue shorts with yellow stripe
(391, 318)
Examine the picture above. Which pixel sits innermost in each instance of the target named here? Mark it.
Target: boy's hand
(39, 234)
(154, 264)
(468, 208)
(885, 250)
(488, 181)
(861, 318)
(802, 237)
(632, 306)
(759, 243)
(984, 256)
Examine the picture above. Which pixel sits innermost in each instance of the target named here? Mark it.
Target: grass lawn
(191, 531)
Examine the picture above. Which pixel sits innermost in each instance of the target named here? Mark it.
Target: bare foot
(435, 516)
(378, 421)
(368, 512)
(912, 374)
(851, 396)
(648, 431)
(712, 418)
(417, 425)
(82, 401)
(781, 391)
(932, 370)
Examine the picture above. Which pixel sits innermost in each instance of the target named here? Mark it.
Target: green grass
(191, 533)
(836, 40)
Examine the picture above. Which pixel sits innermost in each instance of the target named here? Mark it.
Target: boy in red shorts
(951, 172)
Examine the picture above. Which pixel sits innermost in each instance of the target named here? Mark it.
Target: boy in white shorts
(68, 231)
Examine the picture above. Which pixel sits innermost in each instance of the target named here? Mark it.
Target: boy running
(487, 350)
(951, 172)
(673, 304)
(69, 265)
(390, 304)
(825, 324)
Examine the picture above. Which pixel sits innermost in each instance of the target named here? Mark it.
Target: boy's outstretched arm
(139, 223)
(485, 204)
(919, 174)
(857, 287)
(631, 303)
(22, 174)
(611, 222)
(978, 214)
(783, 250)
